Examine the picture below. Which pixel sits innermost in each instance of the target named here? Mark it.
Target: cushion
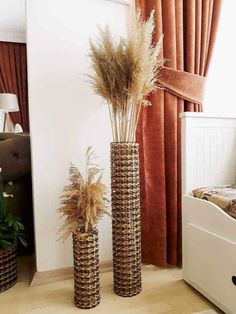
(14, 156)
(223, 196)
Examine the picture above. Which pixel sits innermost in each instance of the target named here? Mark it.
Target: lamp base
(5, 122)
(2, 121)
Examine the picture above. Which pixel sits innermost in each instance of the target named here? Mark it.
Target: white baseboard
(45, 277)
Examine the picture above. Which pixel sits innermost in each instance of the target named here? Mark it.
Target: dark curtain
(13, 79)
(189, 28)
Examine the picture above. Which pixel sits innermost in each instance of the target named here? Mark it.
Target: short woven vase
(126, 229)
(8, 268)
(86, 269)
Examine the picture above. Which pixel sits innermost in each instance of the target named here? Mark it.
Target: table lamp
(8, 103)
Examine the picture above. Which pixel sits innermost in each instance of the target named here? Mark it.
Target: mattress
(223, 196)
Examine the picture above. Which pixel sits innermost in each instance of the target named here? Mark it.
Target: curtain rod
(124, 2)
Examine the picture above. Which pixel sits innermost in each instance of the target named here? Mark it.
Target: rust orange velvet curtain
(189, 28)
(13, 79)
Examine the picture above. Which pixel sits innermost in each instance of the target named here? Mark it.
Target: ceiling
(12, 20)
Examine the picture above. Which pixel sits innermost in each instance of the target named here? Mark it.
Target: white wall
(12, 20)
(65, 116)
(221, 86)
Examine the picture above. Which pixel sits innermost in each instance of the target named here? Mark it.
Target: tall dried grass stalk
(125, 72)
(83, 201)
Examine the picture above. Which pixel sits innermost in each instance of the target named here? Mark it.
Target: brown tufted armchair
(16, 168)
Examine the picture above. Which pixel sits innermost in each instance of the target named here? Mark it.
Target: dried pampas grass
(125, 72)
(83, 201)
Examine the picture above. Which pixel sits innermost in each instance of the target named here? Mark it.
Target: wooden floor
(164, 291)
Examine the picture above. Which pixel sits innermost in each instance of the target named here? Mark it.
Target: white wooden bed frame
(209, 234)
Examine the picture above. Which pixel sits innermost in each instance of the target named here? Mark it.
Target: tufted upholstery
(14, 155)
(16, 167)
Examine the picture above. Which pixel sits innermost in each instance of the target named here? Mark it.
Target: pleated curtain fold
(13, 79)
(189, 28)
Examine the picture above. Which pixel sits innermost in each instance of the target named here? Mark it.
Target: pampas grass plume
(124, 73)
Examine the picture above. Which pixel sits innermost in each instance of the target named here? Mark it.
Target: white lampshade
(9, 103)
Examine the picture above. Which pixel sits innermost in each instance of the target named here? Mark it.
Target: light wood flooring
(164, 291)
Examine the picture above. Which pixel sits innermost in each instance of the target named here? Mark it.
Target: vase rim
(81, 231)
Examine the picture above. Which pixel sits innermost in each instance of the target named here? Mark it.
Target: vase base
(8, 269)
(8, 285)
(127, 294)
(86, 306)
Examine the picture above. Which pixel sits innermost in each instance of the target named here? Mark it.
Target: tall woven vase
(126, 229)
(86, 269)
(8, 269)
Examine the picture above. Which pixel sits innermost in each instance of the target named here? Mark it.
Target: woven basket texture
(8, 268)
(86, 269)
(126, 227)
